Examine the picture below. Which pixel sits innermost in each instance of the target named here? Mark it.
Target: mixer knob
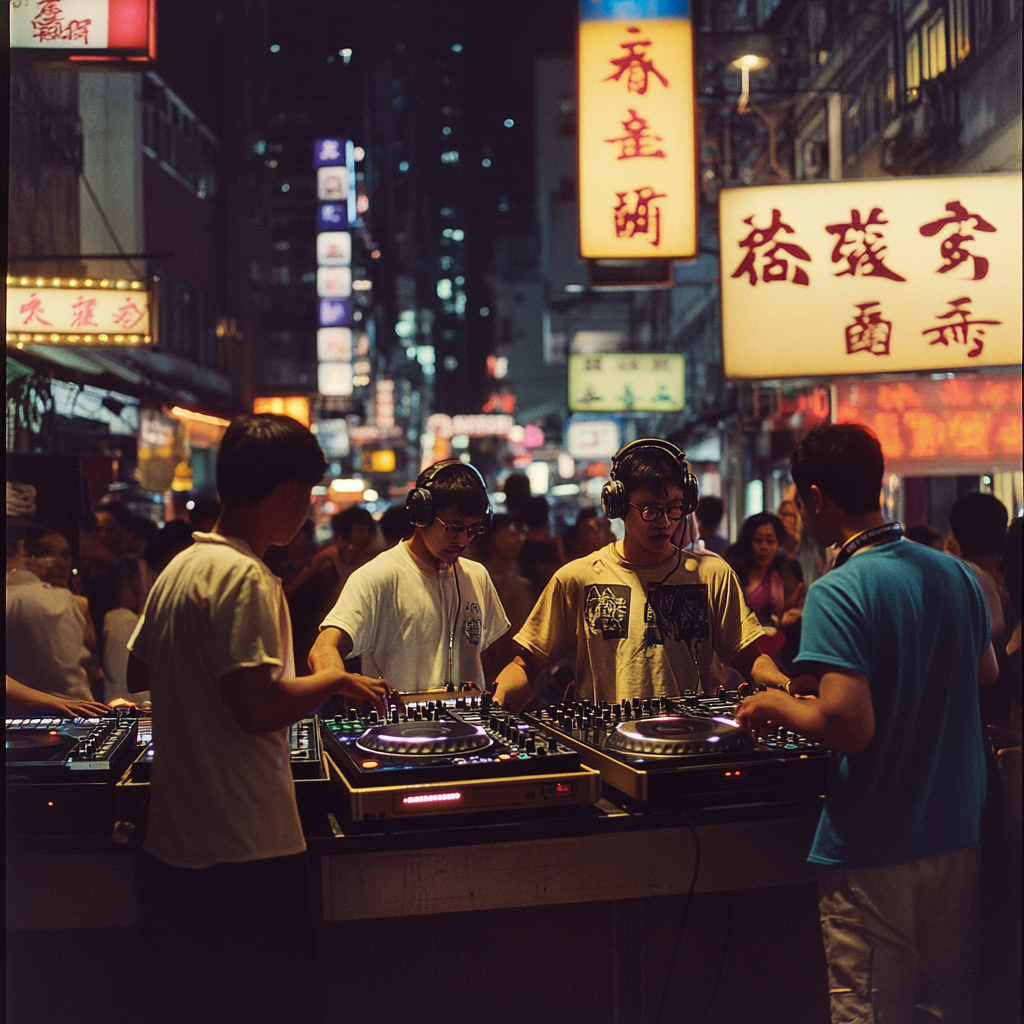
(374, 717)
(743, 690)
(552, 745)
(531, 745)
(575, 723)
(394, 713)
(353, 715)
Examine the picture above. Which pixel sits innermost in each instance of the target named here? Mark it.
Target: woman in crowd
(772, 583)
(498, 550)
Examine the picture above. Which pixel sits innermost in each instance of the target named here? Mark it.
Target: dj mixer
(685, 750)
(61, 771)
(455, 756)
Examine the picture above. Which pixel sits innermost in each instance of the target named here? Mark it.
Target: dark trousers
(230, 943)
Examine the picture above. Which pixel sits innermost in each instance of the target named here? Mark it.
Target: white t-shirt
(218, 794)
(400, 613)
(632, 630)
(45, 637)
(118, 626)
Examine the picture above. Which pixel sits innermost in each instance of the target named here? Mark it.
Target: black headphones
(419, 505)
(614, 499)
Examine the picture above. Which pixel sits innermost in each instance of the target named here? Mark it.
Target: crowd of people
(894, 654)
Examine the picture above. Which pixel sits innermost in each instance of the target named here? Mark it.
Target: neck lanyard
(876, 535)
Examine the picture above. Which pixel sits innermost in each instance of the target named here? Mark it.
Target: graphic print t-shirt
(644, 631)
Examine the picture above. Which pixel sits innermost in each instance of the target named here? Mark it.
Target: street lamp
(747, 63)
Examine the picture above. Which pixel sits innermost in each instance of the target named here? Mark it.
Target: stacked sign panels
(336, 212)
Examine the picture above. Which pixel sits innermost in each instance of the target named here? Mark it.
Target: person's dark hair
(978, 522)
(922, 533)
(343, 522)
(710, 510)
(456, 487)
(845, 461)
(535, 512)
(657, 469)
(204, 508)
(142, 526)
(28, 532)
(169, 540)
(517, 491)
(394, 525)
(259, 453)
(1010, 566)
(121, 513)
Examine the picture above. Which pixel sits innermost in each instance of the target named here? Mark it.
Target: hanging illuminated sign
(627, 382)
(637, 140)
(861, 277)
(68, 311)
(84, 30)
(960, 424)
(296, 406)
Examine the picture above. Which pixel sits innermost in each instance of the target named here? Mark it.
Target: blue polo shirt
(913, 620)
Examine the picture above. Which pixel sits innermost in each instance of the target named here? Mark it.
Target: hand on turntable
(764, 712)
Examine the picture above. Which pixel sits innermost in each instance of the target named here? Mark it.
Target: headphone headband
(614, 499)
(419, 505)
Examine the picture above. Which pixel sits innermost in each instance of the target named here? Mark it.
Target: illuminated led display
(431, 798)
(637, 152)
(871, 276)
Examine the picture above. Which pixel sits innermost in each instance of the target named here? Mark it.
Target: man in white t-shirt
(224, 900)
(641, 617)
(418, 614)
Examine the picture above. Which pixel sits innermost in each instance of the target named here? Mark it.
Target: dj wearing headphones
(640, 617)
(418, 615)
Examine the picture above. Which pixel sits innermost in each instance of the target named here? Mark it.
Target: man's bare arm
(261, 703)
(515, 680)
(331, 648)
(843, 716)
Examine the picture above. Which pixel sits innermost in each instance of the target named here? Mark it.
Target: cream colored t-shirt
(640, 630)
(218, 794)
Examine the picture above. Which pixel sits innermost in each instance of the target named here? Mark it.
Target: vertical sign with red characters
(637, 153)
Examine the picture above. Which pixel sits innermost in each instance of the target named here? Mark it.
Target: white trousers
(900, 939)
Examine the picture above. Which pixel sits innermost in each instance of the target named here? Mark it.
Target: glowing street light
(747, 63)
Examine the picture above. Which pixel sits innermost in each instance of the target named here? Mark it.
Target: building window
(175, 137)
(926, 53)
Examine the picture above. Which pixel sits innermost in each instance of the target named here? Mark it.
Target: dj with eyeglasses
(419, 615)
(640, 617)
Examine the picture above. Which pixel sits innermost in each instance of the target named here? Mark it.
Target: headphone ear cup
(419, 507)
(613, 500)
(691, 493)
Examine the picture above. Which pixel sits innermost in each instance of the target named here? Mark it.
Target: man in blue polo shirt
(895, 640)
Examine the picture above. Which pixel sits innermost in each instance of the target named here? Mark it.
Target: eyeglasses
(457, 528)
(651, 513)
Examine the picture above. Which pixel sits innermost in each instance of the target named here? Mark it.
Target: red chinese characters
(48, 24)
(776, 265)
(83, 312)
(869, 332)
(128, 314)
(961, 330)
(642, 219)
(637, 142)
(859, 244)
(33, 311)
(635, 65)
(952, 249)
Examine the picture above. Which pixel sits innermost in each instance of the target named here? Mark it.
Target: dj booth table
(558, 919)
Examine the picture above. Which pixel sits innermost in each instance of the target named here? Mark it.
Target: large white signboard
(871, 276)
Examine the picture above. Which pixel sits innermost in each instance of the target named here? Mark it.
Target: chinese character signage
(871, 276)
(963, 424)
(638, 194)
(71, 312)
(593, 438)
(99, 30)
(626, 382)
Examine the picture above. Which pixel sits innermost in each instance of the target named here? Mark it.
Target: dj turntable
(455, 756)
(61, 772)
(689, 749)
